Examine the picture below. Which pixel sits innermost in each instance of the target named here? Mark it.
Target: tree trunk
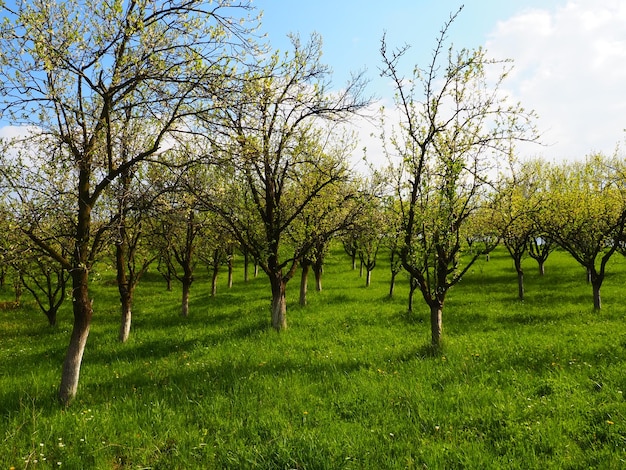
(123, 286)
(83, 312)
(542, 268)
(246, 262)
(214, 280)
(392, 284)
(368, 278)
(412, 287)
(52, 317)
(436, 323)
(185, 302)
(230, 270)
(596, 283)
(126, 318)
(304, 281)
(279, 303)
(361, 269)
(520, 278)
(318, 269)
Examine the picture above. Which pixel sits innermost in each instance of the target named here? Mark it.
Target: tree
(446, 141)
(516, 202)
(75, 71)
(273, 137)
(586, 215)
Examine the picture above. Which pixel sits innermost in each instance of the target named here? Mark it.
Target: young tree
(74, 70)
(272, 138)
(445, 141)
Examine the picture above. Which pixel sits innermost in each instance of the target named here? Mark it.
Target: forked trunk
(436, 323)
(82, 321)
(279, 304)
(304, 281)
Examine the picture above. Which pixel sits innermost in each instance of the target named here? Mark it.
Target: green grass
(351, 384)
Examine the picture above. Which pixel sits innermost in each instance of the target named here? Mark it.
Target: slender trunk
(542, 268)
(520, 278)
(214, 276)
(230, 270)
(412, 287)
(596, 283)
(279, 303)
(126, 318)
(392, 284)
(353, 256)
(361, 269)
(123, 286)
(83, 312)
(368, 278)
(318, 269)
(51, 314)
(436, 323)
(185, 301)
(256, 269)
(246, 262)
(304, 281)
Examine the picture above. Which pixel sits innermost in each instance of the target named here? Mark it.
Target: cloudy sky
(569, 55)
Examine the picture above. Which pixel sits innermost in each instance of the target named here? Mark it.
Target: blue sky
(569, 55)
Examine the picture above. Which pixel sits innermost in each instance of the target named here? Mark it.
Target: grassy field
(351, 384)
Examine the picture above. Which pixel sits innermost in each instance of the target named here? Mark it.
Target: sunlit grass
(351, 383)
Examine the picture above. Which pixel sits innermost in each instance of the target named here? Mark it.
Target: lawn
(351, 384)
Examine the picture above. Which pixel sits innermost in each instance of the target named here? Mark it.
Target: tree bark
(279, 303)
(215, 272)
(436, 323)
(520, 284)
(542, 268)
(126, 318)
(392, 284)
(520, 278)
(412, 287)
(186, 282)
(596, 283)
(230, 270)
(82, 321)
(124, 286)
(304, 281)
(368, 278)
(318, 269)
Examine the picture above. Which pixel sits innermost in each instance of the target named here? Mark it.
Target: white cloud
(570, 66)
